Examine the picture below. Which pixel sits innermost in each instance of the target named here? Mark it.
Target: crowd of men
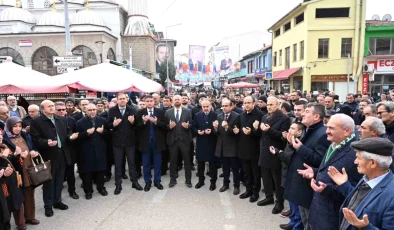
(331, 161)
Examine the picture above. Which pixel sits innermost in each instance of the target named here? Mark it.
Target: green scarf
(331, 150)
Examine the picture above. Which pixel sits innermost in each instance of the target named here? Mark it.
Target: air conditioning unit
(369, 68)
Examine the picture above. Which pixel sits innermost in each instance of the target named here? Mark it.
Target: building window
(89, 58)
(274, 58)
(302, 50)
(381, 46)
(265, 61)
(250, 67)
(332, 13)
(16, 56)
(295, 52)
(277, 33)
(287, 58)
(43, 61)
(280, 57)
(299, 19)
(346, 47)
(287, 27)
(323, 48)
(111, 55)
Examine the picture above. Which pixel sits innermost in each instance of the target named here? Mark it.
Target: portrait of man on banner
(226, 63)
(162, 53)
(196, 58)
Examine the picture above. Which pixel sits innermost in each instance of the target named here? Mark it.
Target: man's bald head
(4, 115)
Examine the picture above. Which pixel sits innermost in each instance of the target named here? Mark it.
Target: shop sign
(385, 65)
(365, 83)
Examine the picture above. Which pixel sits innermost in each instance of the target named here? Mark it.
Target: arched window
(89, 58)
(43, 61)
(16, 56)
(111, 55)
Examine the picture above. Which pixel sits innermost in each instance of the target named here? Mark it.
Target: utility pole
(67, 29)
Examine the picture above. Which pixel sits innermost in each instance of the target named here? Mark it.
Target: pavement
(174, 208)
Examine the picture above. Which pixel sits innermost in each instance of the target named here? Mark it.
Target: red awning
(284, 74)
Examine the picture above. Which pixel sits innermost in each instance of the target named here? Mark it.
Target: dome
(88, 17)
(17, 14)
(51, 18)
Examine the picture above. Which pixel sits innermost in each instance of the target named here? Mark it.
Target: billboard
(223, 62)
(162, 52)
(196, 58)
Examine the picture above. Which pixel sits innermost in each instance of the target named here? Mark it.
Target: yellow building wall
(296, 34)
(334, 29)
(309, 31)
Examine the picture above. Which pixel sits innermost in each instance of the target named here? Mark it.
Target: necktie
(226, 117)
(177, 115)
(59, 143)
(122, 111)
(150, 113)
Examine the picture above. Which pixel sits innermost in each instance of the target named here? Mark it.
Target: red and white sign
(385, 65)
(25, 43)
(365, 83)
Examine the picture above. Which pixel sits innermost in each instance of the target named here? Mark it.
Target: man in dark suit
(370, 204)
(249, 148)
(206, 143)
(51, 134)
(309, 150)
(121, 120)
(326, 198)
(179, 137)
(92, 130)
(152, 126)
(272, 126)
(60, 108)
(4, 115)
(82, 106)
(226, 145)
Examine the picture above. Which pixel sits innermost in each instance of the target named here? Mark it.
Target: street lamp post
(168, 77)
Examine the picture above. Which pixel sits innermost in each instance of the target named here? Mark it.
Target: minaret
(138, 19)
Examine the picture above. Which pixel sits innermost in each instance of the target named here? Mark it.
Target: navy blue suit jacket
(378, 204)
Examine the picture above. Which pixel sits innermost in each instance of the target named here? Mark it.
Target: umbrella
(18, 79)
(242, 85)
(106, 77)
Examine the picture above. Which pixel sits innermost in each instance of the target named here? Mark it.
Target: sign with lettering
(365, 83)
(385, 65)
(68, 61)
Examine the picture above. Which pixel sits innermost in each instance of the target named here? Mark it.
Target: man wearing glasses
(60, 110)
(386, 113)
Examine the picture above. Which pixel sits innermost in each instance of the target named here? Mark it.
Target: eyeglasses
(60, 110)
(381, 112)
(91, 109)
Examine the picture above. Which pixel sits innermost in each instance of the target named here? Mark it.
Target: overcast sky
(206, 22)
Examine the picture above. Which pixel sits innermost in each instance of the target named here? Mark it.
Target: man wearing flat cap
(370, 204)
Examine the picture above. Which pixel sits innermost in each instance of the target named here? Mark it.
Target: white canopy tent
(15, 78)
(107, 77)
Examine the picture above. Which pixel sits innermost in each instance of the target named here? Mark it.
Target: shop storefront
(381, 78)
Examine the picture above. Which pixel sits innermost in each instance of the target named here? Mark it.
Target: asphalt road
(174, 208)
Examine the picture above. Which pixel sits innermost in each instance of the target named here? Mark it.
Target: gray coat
(186, 134)
(227, 141)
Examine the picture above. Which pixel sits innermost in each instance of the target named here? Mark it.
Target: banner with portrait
(196, 58)
(223, 61)
(162, 52)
